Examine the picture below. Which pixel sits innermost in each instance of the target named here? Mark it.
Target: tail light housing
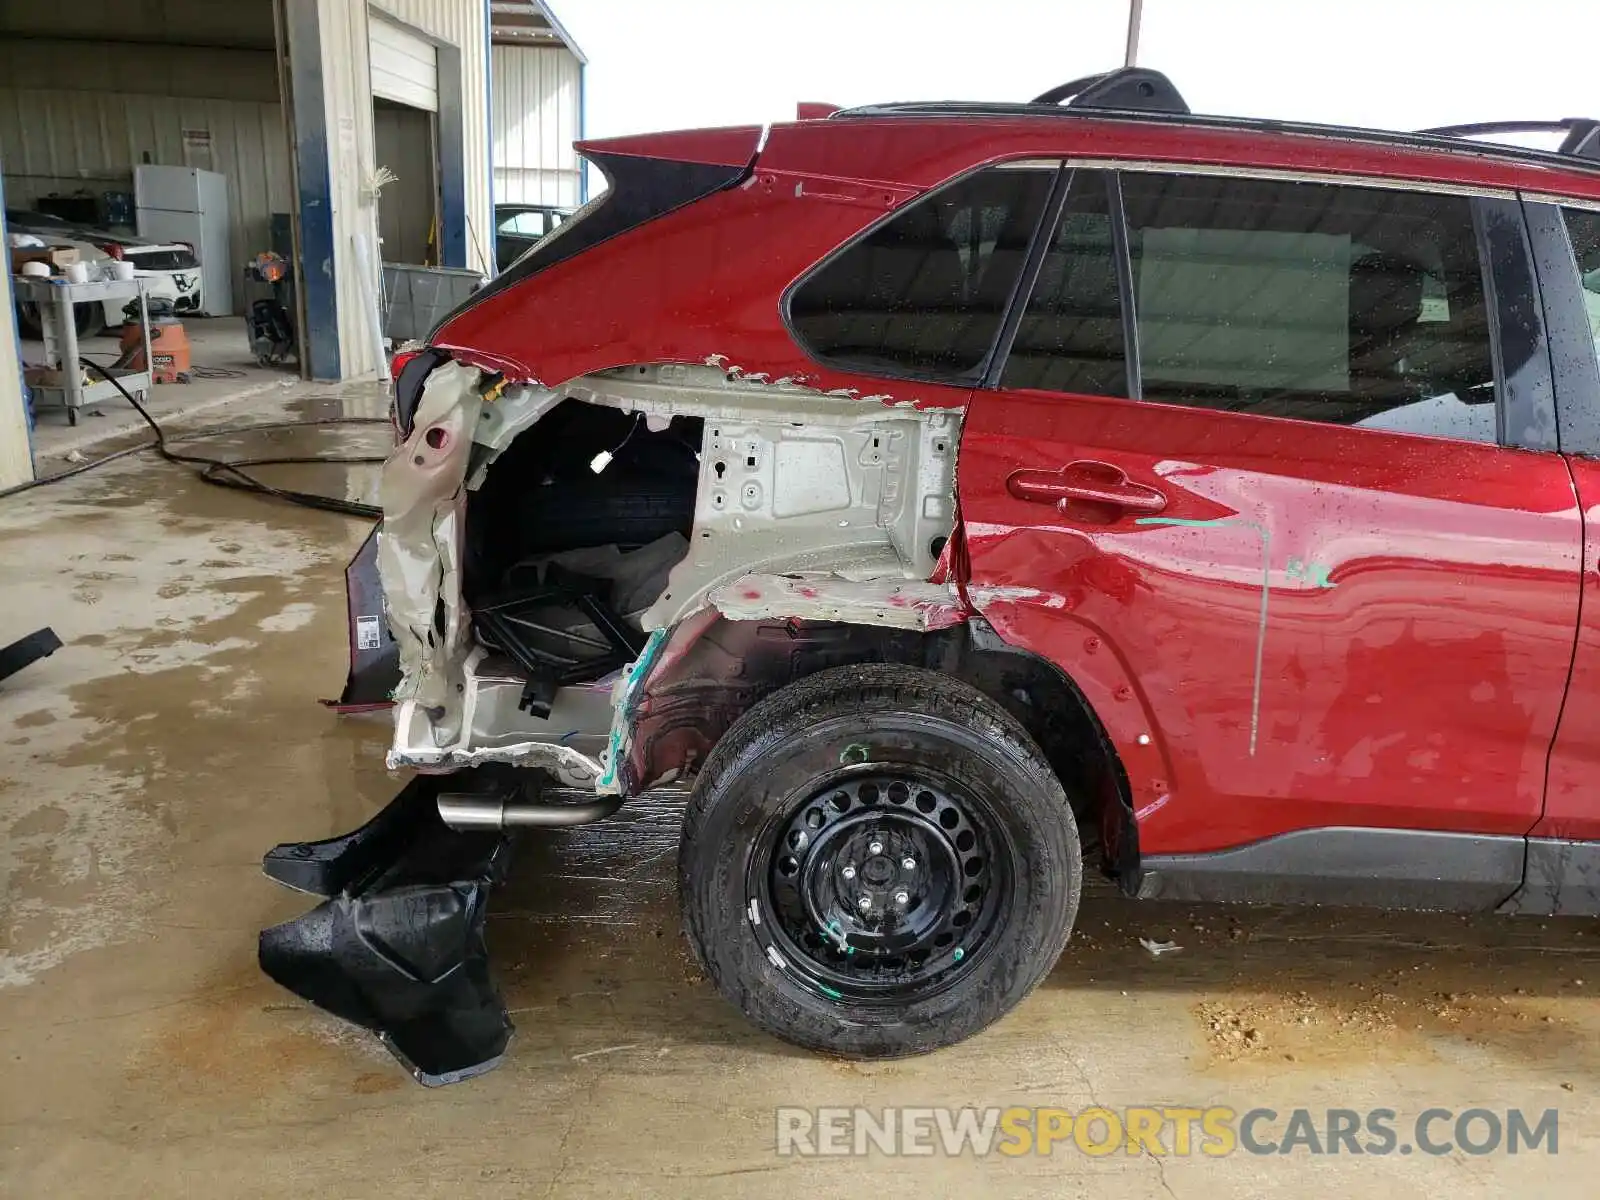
(114, 249)
(409, 369)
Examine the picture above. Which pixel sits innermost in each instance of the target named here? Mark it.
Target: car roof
(1144, 95)
(1421, 140)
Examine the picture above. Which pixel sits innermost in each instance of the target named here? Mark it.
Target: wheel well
(714, 669)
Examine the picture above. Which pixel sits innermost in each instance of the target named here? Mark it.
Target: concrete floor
(225, 375)
(148, 764)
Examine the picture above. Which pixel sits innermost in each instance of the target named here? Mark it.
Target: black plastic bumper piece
(398, 945)
(23, 652)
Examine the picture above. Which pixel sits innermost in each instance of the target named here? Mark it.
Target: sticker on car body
(369, 633)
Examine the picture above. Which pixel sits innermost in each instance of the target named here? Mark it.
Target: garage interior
(177, 734)
(94, 92)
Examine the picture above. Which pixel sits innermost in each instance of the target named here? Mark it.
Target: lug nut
(864, 903)
(909, 864)
(849, 872)
(875, 848)
(901, 898)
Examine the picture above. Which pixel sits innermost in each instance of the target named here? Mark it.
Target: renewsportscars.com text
(1213, 1131)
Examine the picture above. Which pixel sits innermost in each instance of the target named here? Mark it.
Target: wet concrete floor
(147, 765)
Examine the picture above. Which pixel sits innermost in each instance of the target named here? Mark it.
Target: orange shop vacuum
(169, 349)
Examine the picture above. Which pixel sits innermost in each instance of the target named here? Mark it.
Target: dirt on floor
(147, 766)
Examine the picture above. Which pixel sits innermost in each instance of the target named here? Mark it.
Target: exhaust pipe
(507, 811)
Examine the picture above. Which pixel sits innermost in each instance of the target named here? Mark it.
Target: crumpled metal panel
(810, 505)
(419, 547)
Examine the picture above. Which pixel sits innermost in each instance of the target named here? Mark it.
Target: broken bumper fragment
(397, 946)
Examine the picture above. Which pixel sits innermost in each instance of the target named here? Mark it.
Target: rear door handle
(1086, 480)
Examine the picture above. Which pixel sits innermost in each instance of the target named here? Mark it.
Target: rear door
(1569, 270)
(1263, 473)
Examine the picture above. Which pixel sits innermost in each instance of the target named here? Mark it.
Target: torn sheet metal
(808, 505)
(419, 548)
(821, 597)
(493, 727)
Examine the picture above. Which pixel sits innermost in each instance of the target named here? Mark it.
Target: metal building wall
(537, 99)
(347, 92)
(88, 127)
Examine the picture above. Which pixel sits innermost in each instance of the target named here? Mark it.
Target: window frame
(1524, 405)
(1055, 196)
(1574, 365)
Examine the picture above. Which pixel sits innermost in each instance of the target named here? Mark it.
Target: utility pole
(1135, 10)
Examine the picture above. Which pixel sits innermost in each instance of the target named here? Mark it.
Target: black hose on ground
(231, 473)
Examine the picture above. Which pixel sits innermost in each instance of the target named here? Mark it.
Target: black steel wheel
(883, 887)
(878, 861)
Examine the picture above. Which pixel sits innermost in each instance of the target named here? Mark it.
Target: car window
(1583, 226)
(924, 293)
(525, 224)
(1070, 336)
(1349, 305)
(1321, 302)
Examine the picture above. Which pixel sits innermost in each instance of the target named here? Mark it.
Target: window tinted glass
(925, 292)
(1070, 335)
(1584, 228)
(1356, 306)
(527, 224)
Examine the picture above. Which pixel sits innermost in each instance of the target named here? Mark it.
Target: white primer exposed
(809, 505)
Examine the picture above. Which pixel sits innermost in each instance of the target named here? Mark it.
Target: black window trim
(1574, 367)
(1494, 299)
(969, 379)
(1032, 262)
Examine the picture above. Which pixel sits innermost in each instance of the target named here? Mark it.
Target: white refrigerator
(186, 204)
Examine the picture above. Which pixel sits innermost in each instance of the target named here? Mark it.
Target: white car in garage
(172, 268)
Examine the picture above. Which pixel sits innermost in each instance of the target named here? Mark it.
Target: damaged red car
(940, 497)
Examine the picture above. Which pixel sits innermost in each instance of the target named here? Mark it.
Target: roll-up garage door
(404, 66)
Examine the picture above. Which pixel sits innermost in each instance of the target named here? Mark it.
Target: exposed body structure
(938, 495)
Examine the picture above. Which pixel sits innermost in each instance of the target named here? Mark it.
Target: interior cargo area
(571, 537)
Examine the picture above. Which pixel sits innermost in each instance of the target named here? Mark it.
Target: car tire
(965, 816)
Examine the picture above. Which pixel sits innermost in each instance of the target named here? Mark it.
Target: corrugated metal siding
(536, 97)
(65, 141)
(347, 89)
(404, 66)
(464, 23)
(59, 66)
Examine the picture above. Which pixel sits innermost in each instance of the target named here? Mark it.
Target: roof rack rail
(1129, 88)
(1582, 138)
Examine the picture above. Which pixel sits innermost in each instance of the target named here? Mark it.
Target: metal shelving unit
(56, 299)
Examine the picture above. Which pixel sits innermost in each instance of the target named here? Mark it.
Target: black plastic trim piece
(1022, 289)
(398, 946)
(1525, 396)
(408, 387)
(1562, 879)
(1574, 369)
(41, 643)
(1125, 88)
(1383, 868)
(1127, 304)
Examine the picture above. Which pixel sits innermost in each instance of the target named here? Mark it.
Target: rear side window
(1320, 302)
(1583, 226)
(1070, 336)
(925, 292)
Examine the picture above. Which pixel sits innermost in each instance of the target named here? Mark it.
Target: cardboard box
(55, 257)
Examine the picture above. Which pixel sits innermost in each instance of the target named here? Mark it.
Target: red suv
(941, 495)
